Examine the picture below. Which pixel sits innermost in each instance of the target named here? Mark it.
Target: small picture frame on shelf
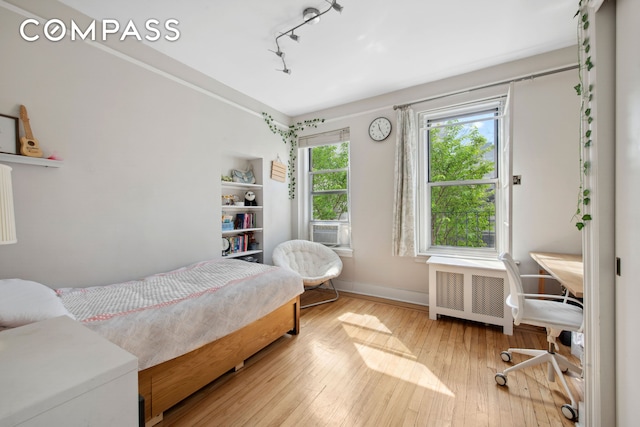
(9, 142)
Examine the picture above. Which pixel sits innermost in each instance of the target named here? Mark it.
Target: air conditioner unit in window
(325, 233)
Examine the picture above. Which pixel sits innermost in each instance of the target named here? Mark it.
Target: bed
(187, 326)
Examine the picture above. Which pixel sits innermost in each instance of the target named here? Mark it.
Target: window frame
(306, 193)
(425, 185)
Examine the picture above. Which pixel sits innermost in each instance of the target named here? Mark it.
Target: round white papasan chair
(316, 263)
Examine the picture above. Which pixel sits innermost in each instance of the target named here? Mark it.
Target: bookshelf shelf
(242, 226)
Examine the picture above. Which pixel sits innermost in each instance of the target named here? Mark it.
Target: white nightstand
(59, 373)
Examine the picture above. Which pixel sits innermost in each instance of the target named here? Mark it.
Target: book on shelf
(240, 243)
(244, 220)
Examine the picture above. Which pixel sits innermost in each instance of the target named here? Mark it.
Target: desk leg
(541, 282)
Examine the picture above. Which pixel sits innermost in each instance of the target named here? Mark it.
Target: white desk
(59, 373)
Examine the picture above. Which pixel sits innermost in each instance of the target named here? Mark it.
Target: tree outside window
(462, 178)
(329, 182)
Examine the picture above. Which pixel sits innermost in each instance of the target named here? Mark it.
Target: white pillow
(23, 302)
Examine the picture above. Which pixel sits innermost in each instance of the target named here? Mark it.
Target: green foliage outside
(329, 188)
(461, 215)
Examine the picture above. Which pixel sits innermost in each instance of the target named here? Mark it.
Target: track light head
(286, 71)
(294, 37)
(311, 15)
(334, 5)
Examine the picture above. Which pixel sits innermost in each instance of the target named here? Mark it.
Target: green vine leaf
(290, 136)
(586, 118)
(578, 89)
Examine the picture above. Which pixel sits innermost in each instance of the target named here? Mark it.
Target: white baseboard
(394, 294)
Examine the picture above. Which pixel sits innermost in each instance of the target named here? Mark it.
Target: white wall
(545, 147)
(139, 192)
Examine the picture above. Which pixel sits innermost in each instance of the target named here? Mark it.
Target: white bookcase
(469, 289)
(244, 232)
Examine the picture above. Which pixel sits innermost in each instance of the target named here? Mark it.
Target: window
(462, 190)
(325, 158)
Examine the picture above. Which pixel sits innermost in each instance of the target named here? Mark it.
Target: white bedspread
(166, 315)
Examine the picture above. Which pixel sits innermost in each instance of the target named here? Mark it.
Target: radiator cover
(469, 289)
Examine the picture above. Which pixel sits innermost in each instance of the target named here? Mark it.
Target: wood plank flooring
(369, 362)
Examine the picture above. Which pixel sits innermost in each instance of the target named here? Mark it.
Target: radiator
(469, 289)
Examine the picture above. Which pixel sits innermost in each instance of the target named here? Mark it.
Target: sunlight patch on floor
(384, 353)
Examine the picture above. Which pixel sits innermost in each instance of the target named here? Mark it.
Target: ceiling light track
(310, 15)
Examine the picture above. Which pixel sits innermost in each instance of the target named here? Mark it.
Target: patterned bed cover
(167, 315)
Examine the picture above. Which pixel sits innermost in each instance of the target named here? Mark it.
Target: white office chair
(316, 263)
(554, 313)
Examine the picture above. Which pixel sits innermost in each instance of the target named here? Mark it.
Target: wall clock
(379, 129)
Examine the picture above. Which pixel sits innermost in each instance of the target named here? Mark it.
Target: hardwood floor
(369, 362)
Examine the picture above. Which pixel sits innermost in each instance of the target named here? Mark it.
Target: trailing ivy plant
(289, 136)
(584, 89)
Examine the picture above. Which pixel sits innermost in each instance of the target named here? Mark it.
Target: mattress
(166, 315)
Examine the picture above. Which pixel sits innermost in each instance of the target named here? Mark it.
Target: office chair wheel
(501, 379)
(506, 356)
(569, 412)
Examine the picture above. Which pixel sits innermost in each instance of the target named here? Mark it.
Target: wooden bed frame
(166, 384)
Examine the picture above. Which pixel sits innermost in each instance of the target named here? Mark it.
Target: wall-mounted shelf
(240, 208)
(26, 160)
(230, 184)
(241, 230)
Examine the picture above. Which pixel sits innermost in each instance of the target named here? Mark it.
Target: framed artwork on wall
(9, 134)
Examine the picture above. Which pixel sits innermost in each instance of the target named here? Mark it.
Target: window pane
(327, 207)
(327, 157)
(329, 181)
(463, 215)
(463, 148)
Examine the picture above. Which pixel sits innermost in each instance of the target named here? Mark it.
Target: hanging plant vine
(584, 89)
(290, 136)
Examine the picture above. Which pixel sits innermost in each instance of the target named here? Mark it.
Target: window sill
(486, 256)
(343, 252)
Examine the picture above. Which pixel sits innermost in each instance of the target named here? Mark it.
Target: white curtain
(404, 226)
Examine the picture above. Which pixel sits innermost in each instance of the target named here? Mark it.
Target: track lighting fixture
(310, 15)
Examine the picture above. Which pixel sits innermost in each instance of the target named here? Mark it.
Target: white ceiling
(372, 47)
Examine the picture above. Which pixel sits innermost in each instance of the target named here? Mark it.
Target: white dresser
(59, 373)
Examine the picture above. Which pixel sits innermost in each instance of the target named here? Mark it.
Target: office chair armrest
(562, 298)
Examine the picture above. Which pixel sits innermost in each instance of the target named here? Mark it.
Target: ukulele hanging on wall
(29, 146)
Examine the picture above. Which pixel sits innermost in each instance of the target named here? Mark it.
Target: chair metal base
(323, 301)
(557, 364)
